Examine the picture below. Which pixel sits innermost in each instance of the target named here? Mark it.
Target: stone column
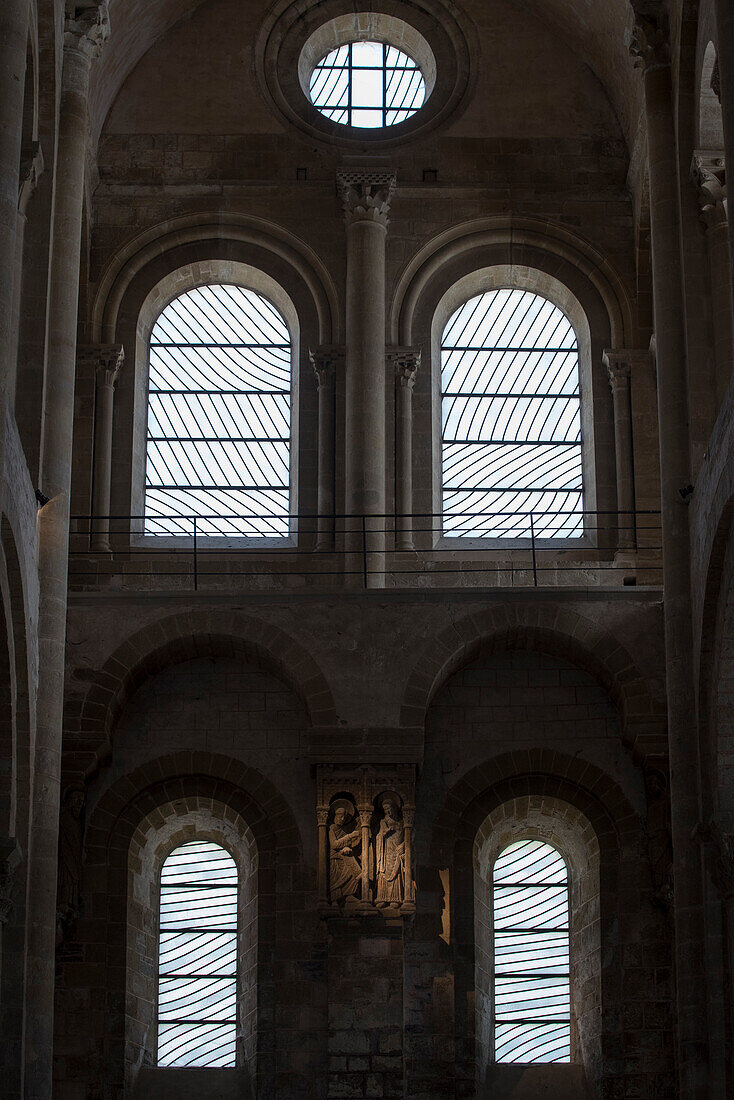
(366, 196)
(322, 816)
(13, 51)
(408, 824)
(650, 45)
(618, 370)
(406, 362)
(325, 361)
(709, 174)
(365, 819)
(107, 360)
(85, 31)
(725, 90)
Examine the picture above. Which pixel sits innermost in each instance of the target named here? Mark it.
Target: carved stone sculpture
(345, 835)
(390, 853)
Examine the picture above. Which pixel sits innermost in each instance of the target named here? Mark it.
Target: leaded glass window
(368, 85)
(219, 416)
(511, 419)
(531, 954)
(197, 958)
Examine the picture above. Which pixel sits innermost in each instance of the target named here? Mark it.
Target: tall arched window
(531, 954)
(219, 416)
(511, 419)
(197, 957)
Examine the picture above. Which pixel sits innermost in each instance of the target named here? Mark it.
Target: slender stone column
(709, 174)
(13, 51)
(406, 362)
(322, 816)
(365, 818)
(107, 360)
(408, 824)
(618, 370)
(650, 44)
(366, 196)
(31, 167)
(325, 361)
(725, 90)
(85, 31)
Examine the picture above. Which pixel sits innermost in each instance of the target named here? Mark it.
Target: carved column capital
(326, 360)
(708, 169)
(620, 362)
(406, 362)
(650, 36)
(105, 359)
(9, 862)
(366, 194)
(86, 27)
(31, 168)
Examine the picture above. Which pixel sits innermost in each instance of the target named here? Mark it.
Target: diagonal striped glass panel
(531, 954)
(368, 85)
(219, 416)
(197, 957)
(511, 420)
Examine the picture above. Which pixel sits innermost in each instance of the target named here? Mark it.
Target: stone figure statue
(70, 859)
(345, 869)
(390, 854)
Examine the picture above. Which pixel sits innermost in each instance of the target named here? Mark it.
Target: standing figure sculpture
(390, 854)
(345, 870)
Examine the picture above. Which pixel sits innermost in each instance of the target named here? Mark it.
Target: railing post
(532, 544)
(196, 563)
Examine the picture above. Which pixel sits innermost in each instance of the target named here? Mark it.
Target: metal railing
(505, 549)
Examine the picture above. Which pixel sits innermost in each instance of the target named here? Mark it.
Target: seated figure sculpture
(345, 869)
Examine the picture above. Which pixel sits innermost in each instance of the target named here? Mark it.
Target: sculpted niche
(365, 842)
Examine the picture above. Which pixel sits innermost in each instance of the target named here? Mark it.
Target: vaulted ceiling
(596, 29)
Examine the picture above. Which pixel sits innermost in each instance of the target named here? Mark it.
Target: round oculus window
(368, 85)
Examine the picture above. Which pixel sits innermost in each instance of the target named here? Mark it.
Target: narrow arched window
(197, 957)
(511, 419)
(219, 416)
(531, 954)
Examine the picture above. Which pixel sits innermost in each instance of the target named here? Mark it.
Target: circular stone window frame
(295, 38)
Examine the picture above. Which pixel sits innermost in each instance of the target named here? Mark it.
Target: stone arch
(505, 240)
(510, 787)
(172, 786)
(194, 634)
(553, 629)
(238, 231)
(15, 719)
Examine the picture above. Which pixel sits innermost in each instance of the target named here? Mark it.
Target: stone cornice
(86, 27)
(366, 193)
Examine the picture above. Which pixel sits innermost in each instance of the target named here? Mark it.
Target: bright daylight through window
(511, 420)
(531, 955)
(197, 960)
(367, 84)
(219, 416)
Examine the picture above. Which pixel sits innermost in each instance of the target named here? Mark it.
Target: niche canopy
(367, 71)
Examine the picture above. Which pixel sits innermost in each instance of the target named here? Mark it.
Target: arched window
(197, 957)
(511, 419)
(219, 416)
(531, 954)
